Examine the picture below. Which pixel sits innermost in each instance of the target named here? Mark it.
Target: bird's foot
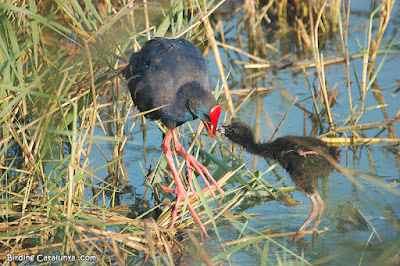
(181, 194)
(304, 153)
(201, 170)
(323, 230)
(173, 191)
(301, 233)
(297, 236)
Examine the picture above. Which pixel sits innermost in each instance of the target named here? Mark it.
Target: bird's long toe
(319, 231)
(166, 189)
(203, 172)
(181, 193)
(192, 211)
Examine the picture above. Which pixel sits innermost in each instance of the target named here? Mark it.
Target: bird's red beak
(212, 126)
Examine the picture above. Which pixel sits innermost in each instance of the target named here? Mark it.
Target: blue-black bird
(172, 75)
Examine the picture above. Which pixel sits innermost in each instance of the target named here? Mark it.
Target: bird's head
(201, 104)
(211, 120)
(238, 132)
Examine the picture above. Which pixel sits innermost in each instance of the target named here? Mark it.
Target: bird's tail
(334, 153)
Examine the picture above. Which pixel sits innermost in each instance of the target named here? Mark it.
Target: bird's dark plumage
(304, 170)
(174, 73)
(305, 159)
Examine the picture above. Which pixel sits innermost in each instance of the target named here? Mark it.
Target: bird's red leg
(180, 190)
(311, 217)
(200, 169)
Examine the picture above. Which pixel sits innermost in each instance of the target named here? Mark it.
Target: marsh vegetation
(79, 164)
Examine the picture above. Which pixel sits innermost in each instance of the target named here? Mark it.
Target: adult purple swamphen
(173, 74)
(305, 159)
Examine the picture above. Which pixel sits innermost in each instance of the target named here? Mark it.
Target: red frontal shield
(214, 117)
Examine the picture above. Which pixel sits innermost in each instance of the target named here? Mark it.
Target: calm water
(344, 243)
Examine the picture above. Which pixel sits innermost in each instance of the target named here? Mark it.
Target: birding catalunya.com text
(49, 258)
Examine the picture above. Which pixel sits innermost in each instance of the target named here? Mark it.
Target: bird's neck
(264, 149)
(198, 100)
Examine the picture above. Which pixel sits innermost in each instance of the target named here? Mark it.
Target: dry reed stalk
(372, 50)
(146, 18)
(367, 125)
(244, 100)
(384, 19)
(210, 36)
(340, 141)
(269, 236)
(200, 248)
(263, 14)
(94, 113)
(255, 66)
(284, 117)
(302, 32)
(318, 58)
(101, 234)
(245, 92)
(71, 172)
(168, 249)
(314, 99)
(308, 64)
(237, 199)
(150, 243)
(238, 50)
(200, 21)
(344, 39)
(15, 134)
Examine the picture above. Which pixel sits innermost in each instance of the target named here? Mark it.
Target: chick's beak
(221, 130)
